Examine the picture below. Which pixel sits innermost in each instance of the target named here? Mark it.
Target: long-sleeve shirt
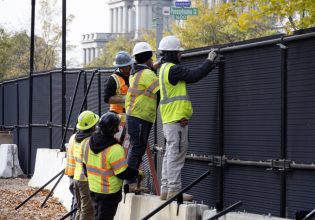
(111, 86)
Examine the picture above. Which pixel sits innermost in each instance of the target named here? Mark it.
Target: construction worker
(116, 87)
(141, 105)
(87, 121)
(176, 110)
(69, 171)
(106, 167)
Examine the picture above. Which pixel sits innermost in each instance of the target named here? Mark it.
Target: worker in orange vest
(116, 87)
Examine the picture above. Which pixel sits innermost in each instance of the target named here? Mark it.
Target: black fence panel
(252, 100)
(10, 107)
(23, 141)
(257, 188)
(23, 102)
(41, 104)
(2, 104)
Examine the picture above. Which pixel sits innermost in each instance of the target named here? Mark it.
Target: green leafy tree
(218, 25)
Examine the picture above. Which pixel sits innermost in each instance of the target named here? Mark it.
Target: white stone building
(131, 18)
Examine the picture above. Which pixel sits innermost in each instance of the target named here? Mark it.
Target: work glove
(213, 55)
(140, 174)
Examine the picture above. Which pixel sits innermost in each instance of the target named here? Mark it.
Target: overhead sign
(182, 13)
(183, 3)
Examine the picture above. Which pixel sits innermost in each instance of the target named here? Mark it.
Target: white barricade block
(138, 206)
(9, 161)
(239, 216)
(49, 162)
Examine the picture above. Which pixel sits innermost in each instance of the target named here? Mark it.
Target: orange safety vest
(121, 90)
(70, 166)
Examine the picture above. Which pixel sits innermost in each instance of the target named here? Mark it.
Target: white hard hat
(170, 43)
(141, 47)
(123, 59)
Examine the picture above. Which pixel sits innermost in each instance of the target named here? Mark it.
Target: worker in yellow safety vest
(116, 87)
(69, 171)
(176, 110)
(87, 121)
(141, 105)
(106, 166)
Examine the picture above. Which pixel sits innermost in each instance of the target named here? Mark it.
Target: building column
(119, 26)
(114, 20)
(111, 20)
(84, 56)
(138, 19)
(149, 14)
(93, 53)
(125, 19)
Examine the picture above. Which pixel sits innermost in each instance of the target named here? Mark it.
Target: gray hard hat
(123, 59)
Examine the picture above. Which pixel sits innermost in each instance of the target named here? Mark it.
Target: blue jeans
(139, 131)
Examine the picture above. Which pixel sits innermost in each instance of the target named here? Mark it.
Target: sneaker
(186, 197)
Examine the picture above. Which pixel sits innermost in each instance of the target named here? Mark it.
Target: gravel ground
(14, 191)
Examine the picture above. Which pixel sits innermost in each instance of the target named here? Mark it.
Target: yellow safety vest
(175, 103)
(103, 167)
(141, 95)
(70, 165)
(121, 90)
(79, 172)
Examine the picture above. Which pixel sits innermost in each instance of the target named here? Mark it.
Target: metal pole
(30, 89)
(283, 145)
(227, 210)
(17, 114)
(174, 197)
(2, 116)
(69, 213)
(99, 94)
(159, 26)
(52, 190)
(221, 132)
(63, 65)
(62, 147)
(50, 109)
(61, 172)
(87, 92)
(309, 215)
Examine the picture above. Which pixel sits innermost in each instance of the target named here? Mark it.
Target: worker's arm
(110, 92)
(178, 73)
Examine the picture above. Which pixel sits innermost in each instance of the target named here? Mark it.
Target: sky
(91, 16)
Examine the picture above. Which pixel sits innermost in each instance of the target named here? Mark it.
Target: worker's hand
(140, 174)
(157, 65)
(213, 54)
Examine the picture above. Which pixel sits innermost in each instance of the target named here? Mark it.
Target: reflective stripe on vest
(121, 90)
(79, 172)
(175, 103)
(141, 100)
(101, 171)
(70, 165)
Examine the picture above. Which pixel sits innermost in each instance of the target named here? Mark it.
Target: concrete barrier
(49, 162)
(9, 161)
(239, 216)
(138, 206)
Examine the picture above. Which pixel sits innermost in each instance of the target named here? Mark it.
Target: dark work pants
(105, 205)
(139, 131)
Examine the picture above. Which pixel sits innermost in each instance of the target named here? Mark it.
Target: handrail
(227, 210)
(177, 195)
(309, 215)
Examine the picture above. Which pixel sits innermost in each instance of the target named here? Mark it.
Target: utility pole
(159, 25)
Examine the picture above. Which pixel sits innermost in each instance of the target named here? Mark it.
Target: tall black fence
(253, 123)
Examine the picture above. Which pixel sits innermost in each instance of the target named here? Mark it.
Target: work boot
(163, 195)
(186, 197)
